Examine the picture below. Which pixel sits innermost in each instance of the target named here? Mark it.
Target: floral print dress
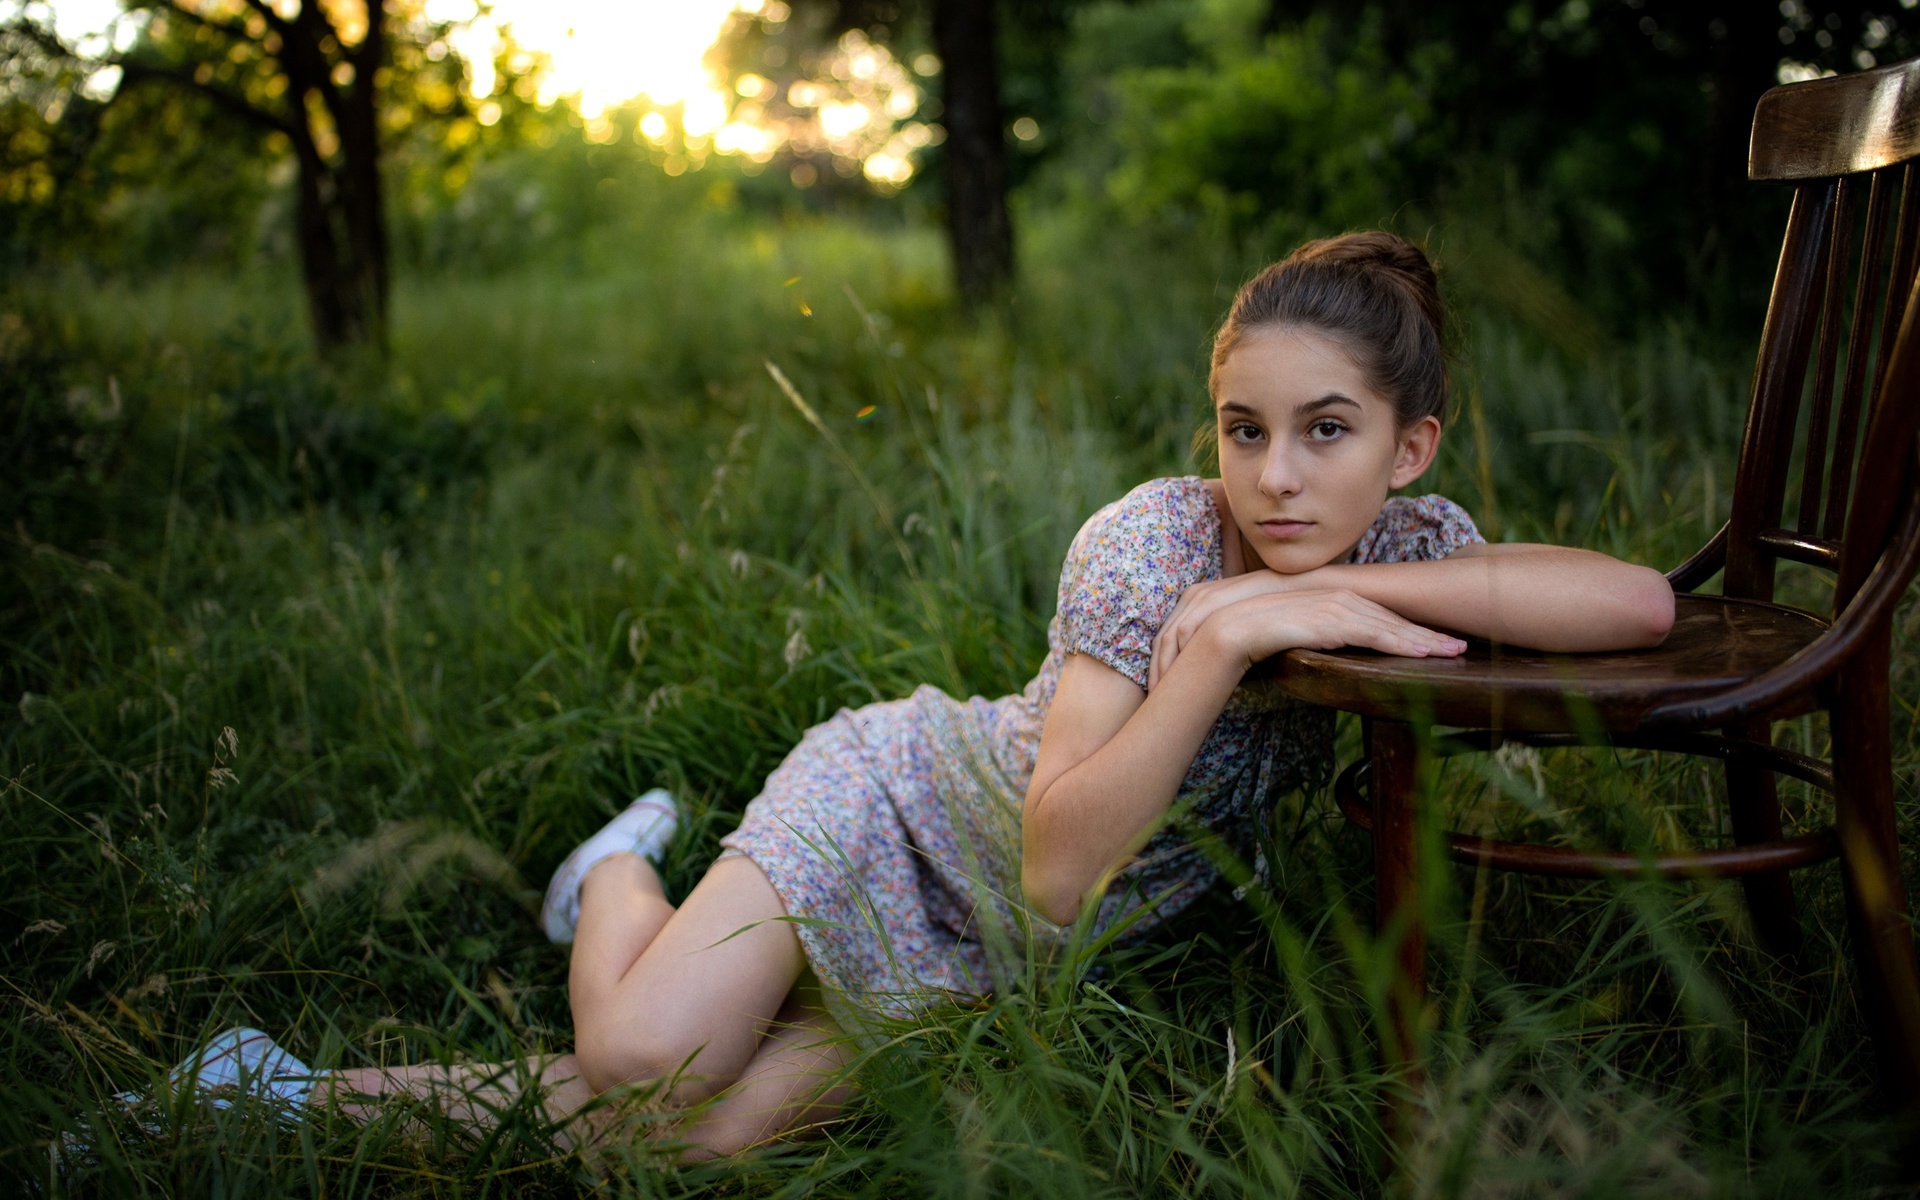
(892, 831)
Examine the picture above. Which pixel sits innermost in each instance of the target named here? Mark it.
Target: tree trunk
(981, 235)
(327, 306)
(340, 221)
(362, 211)
(341, 218)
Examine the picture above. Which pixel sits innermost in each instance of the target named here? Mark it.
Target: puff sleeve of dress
(1416, 529)
(1127, 567)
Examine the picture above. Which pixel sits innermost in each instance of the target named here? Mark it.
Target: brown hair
(1375, 293)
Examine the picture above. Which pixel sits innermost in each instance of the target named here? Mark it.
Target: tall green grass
(313, 675)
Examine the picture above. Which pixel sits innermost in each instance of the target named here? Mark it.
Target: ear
(1419, 442)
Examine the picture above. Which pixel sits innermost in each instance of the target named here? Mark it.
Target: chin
(1294, 560)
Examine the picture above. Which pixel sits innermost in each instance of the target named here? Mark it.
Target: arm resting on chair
(1542, 597)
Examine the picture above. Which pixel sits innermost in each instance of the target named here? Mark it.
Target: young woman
(902, 850)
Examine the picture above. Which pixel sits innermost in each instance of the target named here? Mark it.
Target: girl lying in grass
(890, 850)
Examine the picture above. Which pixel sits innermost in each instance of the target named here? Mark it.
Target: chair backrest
(1842, 338)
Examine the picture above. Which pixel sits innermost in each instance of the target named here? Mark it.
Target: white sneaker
(241, 1064)
(644, 827)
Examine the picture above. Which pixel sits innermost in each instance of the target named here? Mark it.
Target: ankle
(644, 828)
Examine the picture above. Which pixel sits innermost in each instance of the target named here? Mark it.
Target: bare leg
(623, 907)
(688, 1000)
(473, 1094)
(691, 996)
(796, 1081)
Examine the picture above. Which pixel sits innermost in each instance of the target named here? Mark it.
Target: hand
(1202, 600)
(1266, 624)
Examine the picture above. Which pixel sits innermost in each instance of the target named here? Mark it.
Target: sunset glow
(856, 108)
(605, 52)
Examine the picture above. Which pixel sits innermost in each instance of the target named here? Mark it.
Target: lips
(1285, 530)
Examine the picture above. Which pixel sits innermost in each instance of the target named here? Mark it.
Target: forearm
(1084, 824)
(1543, 597)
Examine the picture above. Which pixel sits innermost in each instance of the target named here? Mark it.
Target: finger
(1353, 621)
(1165, 650)
(1386, 639)
(1431, 641)
(1408, 640)
(1167, 645)
(1183, 612)
(1436, 641)
(1184, 634)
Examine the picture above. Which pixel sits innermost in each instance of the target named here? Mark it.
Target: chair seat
(1715, 643)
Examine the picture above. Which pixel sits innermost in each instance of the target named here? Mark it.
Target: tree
(326, 81)
(968, 37)
(307, 77)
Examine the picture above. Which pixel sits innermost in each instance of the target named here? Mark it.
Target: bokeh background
(392, 483)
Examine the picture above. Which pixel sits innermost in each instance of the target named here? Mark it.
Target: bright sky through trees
(857, 112)
(606, 51)
(603, 51)
(82, 21)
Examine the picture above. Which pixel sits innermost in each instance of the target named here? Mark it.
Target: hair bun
(1396, 259)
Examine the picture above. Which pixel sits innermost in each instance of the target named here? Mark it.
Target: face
(1308, 451)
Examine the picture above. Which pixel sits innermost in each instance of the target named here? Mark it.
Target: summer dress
(892, 831)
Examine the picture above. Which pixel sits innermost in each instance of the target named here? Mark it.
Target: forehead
(1287, 364)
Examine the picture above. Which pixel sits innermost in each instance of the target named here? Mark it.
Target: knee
(613, 1057)
(657, 1048)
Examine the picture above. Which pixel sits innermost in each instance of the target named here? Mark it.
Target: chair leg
(1755, 807)
(1870, 862)
(1397, 904)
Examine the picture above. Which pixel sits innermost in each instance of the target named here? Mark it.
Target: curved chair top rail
(1837, 126)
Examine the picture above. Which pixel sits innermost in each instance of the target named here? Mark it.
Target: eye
(1325, 430)
(1244, 433)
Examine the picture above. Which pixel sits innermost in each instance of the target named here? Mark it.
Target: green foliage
(167, 170)
(1603, 142)
(1265, 131)
(573, 543)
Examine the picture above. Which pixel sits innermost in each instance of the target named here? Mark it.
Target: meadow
(312, 674)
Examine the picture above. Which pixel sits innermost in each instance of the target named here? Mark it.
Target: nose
(1280, 474)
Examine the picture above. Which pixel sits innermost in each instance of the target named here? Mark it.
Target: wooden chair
(1841, 312)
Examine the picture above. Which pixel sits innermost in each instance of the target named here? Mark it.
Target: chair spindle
(1779, 379)
(1866, 302)
(1839, 251)
(1906, 250)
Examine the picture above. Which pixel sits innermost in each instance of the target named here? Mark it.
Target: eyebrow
(1300, 410)
(1327, 401)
